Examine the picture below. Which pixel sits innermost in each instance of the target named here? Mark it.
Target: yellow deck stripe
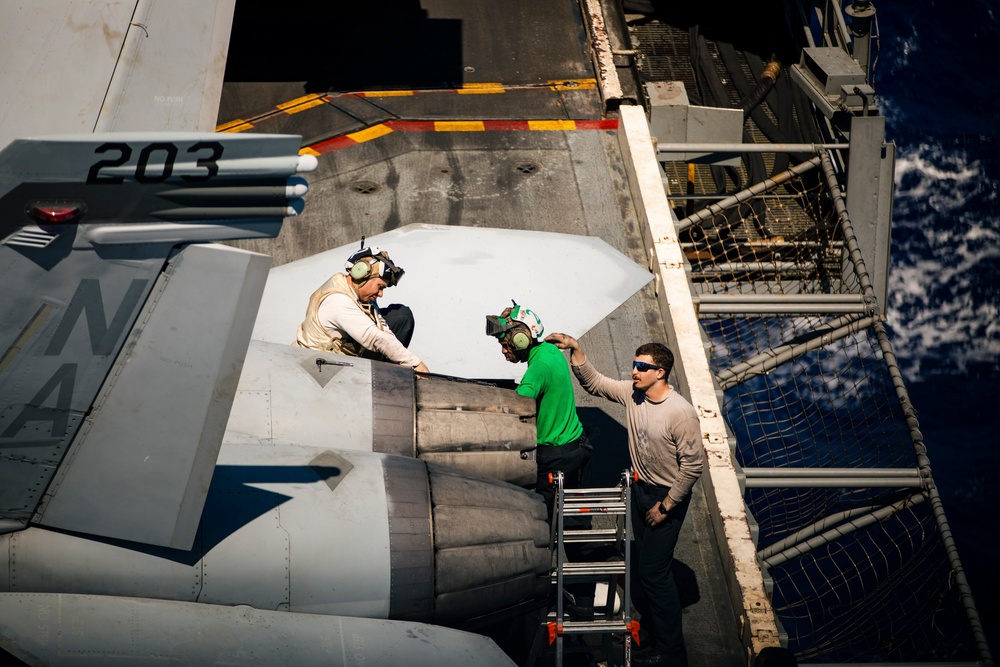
(481, 89)
(301, 103)
(234, 126)
(572, 84)
(551, 124)
(370, 133)
(459, 126)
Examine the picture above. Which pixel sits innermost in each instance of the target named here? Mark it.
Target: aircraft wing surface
(72, 66)
(455, 276)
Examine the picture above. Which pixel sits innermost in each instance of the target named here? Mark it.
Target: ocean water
(938, 81)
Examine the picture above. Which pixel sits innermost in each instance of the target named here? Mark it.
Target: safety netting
(859, 567)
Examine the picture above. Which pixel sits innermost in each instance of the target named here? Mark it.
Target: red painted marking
(333, 144)
(604, 124)
(505, 124)
(411, 125)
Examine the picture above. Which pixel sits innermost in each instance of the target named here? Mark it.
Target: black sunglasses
(642, 366)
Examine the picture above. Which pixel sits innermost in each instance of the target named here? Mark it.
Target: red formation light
(52, 213)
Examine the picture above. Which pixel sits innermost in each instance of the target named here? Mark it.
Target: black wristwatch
(663, 510)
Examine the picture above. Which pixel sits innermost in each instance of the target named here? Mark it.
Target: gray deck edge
(744, 580)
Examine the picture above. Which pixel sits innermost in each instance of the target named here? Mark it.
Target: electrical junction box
(674, 120)
(834, 81)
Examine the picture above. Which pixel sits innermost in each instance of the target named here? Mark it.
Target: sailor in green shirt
(562, 444)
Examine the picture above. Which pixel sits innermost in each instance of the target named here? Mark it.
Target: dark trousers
(654, 591)
(400, 321)
(573, 459)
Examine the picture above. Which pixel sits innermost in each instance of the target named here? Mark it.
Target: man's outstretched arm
(590, 379)
(566, 342)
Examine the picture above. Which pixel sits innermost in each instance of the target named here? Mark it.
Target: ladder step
(600, 508)
(597, 500)
(591, 569)
(598, 491)
(594, 499)
(595, 535)
(586, 627)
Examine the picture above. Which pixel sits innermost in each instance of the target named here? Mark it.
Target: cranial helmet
(371, 262)
(520, 324)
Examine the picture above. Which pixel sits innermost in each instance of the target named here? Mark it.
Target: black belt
(649, 486)
(569, 446)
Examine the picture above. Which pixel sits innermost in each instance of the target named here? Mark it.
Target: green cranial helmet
(518, 323)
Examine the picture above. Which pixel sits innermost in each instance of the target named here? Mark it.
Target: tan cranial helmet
(370, 262)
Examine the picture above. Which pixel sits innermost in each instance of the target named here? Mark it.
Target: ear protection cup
(520, 340)
(360, 271)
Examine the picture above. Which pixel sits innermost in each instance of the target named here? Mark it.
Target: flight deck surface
(521, 142)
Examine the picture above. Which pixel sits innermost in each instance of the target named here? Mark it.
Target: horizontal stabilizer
(455, 276)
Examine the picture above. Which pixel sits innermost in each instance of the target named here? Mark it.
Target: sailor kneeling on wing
(343, 315)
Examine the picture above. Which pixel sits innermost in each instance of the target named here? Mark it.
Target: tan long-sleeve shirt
(664, 438)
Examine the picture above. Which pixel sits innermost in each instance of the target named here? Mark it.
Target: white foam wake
(943, 293)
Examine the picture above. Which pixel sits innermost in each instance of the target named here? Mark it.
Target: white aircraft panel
(170, 74)
(43, 92)
(455, 276)
(72, 66)
(338, 547)
(282, 398)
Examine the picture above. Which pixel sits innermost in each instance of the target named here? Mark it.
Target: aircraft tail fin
(119, 340)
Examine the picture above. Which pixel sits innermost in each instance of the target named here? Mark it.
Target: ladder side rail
(560, 565)
(627, 478)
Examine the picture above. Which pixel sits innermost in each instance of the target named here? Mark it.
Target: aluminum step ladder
(613, 504)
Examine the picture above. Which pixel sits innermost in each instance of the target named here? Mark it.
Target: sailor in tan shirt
(664, 439)
(343, 315)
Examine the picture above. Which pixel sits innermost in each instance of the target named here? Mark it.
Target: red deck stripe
(333, 144)
(603, 124)
(505, 124)
(411, 125)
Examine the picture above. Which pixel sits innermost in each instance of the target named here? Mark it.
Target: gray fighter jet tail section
(89, 230)
(143, 460)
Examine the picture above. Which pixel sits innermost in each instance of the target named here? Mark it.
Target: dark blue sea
(938, 79)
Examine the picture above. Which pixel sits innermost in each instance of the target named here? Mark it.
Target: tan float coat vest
(314, 335)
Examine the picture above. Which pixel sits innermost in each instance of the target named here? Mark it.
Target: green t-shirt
(548, 381)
